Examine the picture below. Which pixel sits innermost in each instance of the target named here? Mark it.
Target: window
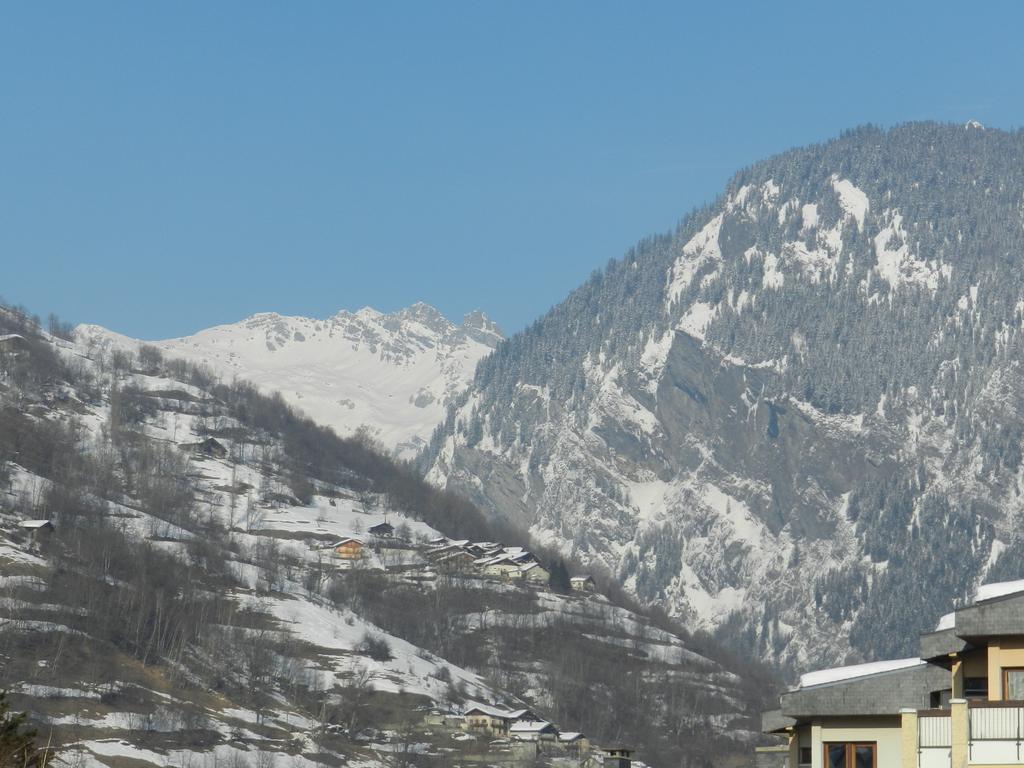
(805, 755)
(975, 687)
(850, 755)
(1013, 684)
(940, 699)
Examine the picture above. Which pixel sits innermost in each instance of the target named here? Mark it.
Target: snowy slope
(302, 659)
(769, 420)
(391, 372)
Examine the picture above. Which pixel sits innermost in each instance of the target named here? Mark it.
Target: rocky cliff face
(794, 420)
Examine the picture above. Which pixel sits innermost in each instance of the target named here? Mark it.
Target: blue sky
(169, 166)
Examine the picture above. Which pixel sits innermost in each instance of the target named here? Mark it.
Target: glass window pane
(1014, 684)
(836, 755)
(865, 756)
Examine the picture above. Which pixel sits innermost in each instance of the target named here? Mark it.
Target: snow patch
(852, 199)
(702, 249)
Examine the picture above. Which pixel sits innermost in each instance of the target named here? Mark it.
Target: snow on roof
(837, 674)
(346, 541)
(529, 567)
(11, 337)
(581, 578)
(999, 589)
(570, 736)
(33, 524)
(948, 621)
(497, 560)
(505, 714)
(530, 726)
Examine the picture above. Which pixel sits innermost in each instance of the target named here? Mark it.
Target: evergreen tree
(18, 747)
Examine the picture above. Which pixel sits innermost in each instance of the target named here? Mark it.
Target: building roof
(995, 609)
(34, 525)
(498, 712)
(531, 726)
(346, 541)
(837, 674)
(998, 589)
(453, 556)
(865, 689)
(570, 736)
(773, 721)
(581, 578)
(529, 567)
(498, 560)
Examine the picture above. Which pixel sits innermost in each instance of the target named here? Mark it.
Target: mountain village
(390, 550)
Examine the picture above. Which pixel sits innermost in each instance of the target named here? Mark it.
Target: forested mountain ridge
(188, 608)
(796, 419)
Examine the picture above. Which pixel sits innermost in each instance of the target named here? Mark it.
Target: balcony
(995, 733)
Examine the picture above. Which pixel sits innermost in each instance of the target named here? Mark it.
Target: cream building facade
(960, 703)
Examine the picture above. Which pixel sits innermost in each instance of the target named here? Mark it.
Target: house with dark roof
(958, 703)
(383, 530)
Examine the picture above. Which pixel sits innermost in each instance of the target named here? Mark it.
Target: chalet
(384, 530)
(36, 525)
(501, 566)
(349, 549)
(211, 447)
(455, 561)
(574, 743)
(620, 757)
(493, 721)
(533, 730)
(36, 530)
(582, 583)
(437, 553)
(534, 573)
(13, 342)
(958, 703)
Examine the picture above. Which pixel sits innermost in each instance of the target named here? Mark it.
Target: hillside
(796, 419)
(188, 606)
(393, 374)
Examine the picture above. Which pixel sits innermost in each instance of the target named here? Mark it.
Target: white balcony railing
(935, 740)
(995, 734)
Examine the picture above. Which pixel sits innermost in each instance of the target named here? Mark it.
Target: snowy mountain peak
(393, 373)
(479, 326)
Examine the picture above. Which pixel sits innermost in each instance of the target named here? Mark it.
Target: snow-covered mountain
(393, 373)
(170, 592)
(796, 420)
